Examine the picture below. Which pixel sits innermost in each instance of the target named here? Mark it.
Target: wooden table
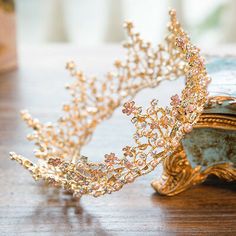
(29, 208)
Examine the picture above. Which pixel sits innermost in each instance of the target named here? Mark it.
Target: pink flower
(128, 151)
(175, 100)
(129, 108)
(180, 42)
(160, 142)
(154, 125)
(189, 108)
(54, 161)
(111, 158)
(200, 62)
(128, 164)
(164, 121)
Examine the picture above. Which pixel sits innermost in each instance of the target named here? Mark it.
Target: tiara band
(158, 130)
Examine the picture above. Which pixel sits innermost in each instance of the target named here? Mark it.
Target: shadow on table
(208, 190)
(61, 213)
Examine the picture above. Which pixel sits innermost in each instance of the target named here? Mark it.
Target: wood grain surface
(30, 208)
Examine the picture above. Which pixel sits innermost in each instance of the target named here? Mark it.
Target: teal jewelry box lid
(214, 142)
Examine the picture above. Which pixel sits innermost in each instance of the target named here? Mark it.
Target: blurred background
(96, 22)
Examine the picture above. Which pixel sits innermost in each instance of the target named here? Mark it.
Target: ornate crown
(158, 130)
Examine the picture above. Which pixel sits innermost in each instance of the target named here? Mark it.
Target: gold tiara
(158, 130)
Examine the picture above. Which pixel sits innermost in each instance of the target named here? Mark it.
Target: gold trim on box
(178, 175)
(217, 121)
